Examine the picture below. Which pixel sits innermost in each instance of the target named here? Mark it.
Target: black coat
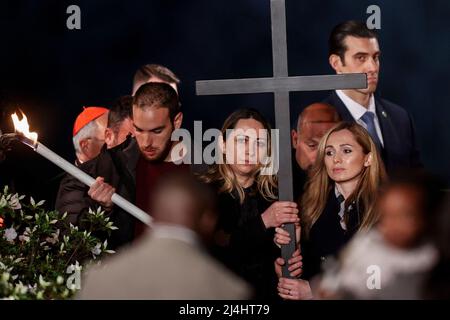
(299, 179)
(117, 166)
(326, 237)
(399, 137)
(244, 244)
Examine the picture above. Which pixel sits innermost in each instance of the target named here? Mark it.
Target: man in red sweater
(156, 114)
(132, 168)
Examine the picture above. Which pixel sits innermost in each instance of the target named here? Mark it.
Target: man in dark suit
(353, 48)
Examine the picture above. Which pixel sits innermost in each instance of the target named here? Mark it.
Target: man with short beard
(132, 168)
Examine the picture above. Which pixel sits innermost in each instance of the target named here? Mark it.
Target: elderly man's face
(306, 140)
(92, 146)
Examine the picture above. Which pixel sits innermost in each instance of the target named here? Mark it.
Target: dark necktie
(341, 200)
(369, 119)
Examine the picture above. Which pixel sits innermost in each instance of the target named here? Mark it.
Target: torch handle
(126, 205)
(88, 180)
(64, 164)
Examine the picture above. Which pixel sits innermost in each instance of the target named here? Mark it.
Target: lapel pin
(384, 114)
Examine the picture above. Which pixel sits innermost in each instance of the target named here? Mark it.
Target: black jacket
(244, 244)
(326, 237)
(399, 137)
(117, 166)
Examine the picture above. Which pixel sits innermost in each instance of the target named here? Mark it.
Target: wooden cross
(280, 85)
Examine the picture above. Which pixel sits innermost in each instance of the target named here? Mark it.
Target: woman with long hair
(247, 194)
(339, 199)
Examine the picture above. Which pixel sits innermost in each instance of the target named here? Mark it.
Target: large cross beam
(280, 85)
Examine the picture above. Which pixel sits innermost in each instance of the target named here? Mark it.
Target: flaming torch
(31, 139)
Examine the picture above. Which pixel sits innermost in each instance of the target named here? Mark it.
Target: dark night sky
(50, 72)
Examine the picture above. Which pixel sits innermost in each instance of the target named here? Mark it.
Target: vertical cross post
(280, 85)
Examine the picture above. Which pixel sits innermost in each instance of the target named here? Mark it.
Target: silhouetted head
(407, 207)
(180, 199)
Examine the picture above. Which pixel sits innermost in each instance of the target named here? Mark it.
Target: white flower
(24, 238)
(14, 202)
(54, 238)
(97, 249)
(32, 288)
(42, 282)
(10, 234)
(109, 225)
(26, 235)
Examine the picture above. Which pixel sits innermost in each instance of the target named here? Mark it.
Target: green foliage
(41, 252)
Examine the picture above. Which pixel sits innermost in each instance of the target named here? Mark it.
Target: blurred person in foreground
(170, 261)
(437, 285)
(394, 259)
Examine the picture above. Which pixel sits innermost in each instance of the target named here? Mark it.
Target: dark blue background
(50, 72)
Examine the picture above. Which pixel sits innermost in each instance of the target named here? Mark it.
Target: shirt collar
(176, 232)
(337, 193)
(354, 107)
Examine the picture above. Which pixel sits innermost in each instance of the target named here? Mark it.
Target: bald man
(312, 124)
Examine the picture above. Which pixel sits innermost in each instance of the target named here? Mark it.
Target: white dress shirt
(357, 111)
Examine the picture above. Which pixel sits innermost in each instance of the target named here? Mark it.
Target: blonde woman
(248, 210)
(338, 201)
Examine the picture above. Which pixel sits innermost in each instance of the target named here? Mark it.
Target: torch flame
(21, 126)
